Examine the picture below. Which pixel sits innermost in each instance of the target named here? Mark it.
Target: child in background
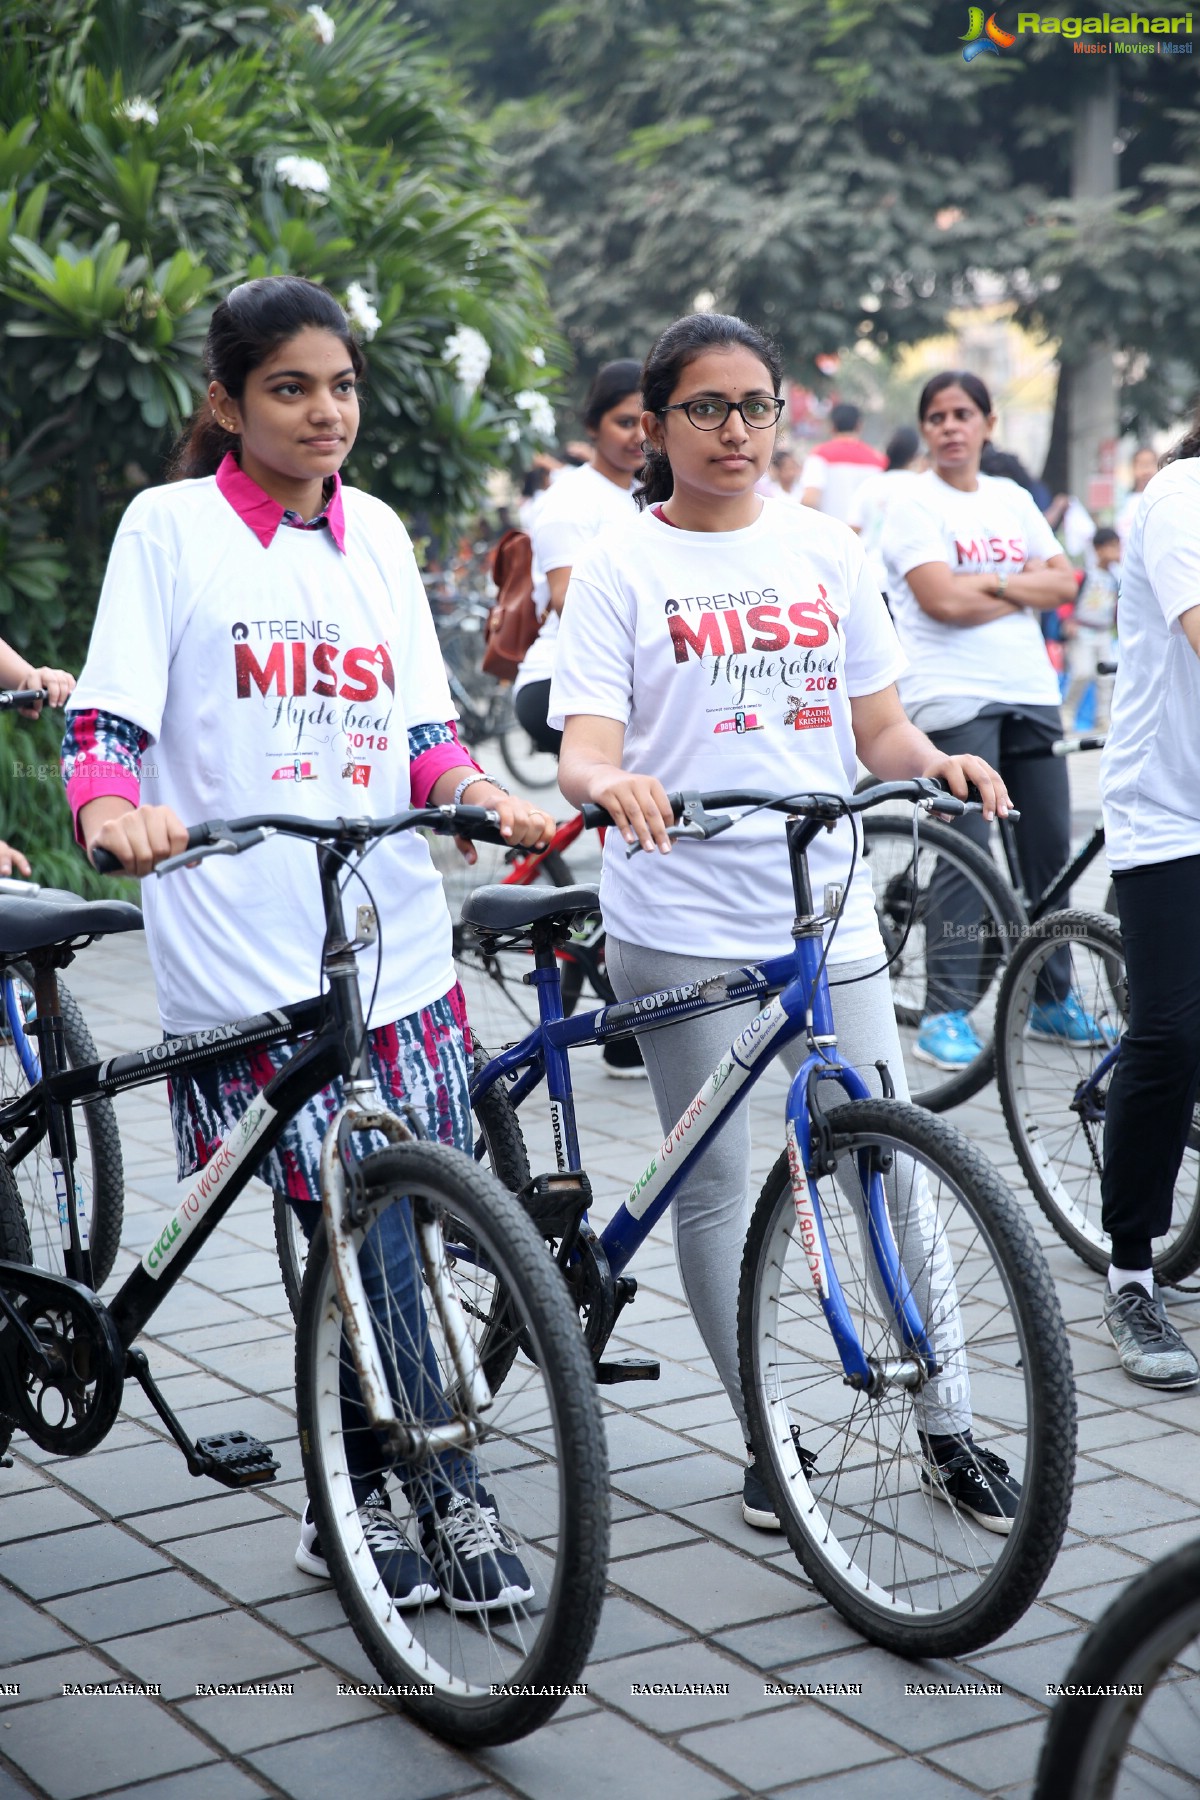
(1091, 632)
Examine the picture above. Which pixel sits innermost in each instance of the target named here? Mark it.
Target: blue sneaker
(1065, 1022)
(947, 1040)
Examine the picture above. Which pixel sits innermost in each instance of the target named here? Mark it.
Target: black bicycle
(427, 1292)
(1126, 1722)
(948, 872)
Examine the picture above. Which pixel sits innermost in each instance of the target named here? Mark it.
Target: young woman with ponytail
(264, 629)
(724, 640)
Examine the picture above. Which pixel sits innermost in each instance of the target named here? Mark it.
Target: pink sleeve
(425, 770)
(94, 781)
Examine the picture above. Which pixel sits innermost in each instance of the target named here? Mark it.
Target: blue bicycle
(896, 1315)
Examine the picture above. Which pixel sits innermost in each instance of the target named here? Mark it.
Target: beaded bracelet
(470, 781)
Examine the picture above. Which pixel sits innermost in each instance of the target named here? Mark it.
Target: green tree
(150, 154)
(834, 169)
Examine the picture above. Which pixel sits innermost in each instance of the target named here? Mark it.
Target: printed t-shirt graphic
(295, 671)
(680, 635)
(997, 527)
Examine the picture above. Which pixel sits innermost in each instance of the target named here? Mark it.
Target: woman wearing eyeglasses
(724, 640)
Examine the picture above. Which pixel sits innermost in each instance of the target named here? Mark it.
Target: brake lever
(693, 822)
(226, 846)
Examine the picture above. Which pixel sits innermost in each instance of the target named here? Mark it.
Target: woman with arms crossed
(773, 683)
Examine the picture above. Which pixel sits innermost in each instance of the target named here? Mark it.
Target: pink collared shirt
(264, 516)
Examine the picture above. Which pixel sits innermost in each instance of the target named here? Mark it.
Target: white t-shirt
(580, 504)
(731, 659)
(837, 469)
(868, 512)
(1150, 769)
(996, 527)
(280, 679)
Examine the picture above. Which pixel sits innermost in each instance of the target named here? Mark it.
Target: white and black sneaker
(758, 1509)
(405, 1573)
(474, 1559)
(973, 1481)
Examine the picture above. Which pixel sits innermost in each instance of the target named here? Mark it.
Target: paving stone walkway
(120, 1565)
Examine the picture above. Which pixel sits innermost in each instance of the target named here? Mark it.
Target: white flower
(537, 356)
(512, 431)
(471, 355)
(303, 172)
(361, 311)
(323, 25)
(540, 412)
(138, 111)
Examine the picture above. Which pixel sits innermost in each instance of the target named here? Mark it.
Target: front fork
(809, 1157)
(408, 1442)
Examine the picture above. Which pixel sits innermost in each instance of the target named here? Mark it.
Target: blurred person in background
(1144, 469)
(841, 464)
(1091, 631)
(869, 503)
(585, 500)
(971, 565)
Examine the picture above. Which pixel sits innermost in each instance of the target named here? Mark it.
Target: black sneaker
(973, 1481)
(758, 1509)
(474, 1559)
(404, 1572)
(623, 1060)
(1151, 1350)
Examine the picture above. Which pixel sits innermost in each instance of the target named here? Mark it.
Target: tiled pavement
(121, 1565)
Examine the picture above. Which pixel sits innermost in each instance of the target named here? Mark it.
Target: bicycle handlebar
(10, 697)
(692, 807)
(229, 837)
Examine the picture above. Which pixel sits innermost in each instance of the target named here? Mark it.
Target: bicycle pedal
(627, 1368)
(236, 1459)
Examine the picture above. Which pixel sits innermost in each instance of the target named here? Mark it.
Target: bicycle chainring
(67, 1398)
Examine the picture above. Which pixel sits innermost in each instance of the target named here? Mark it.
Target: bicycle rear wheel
(904, 1565)
(538, 1449)
(1105, 1745)
(14, 1247)
(532, 767)
(1054, 1098)
(971, 965)
(98, 1165)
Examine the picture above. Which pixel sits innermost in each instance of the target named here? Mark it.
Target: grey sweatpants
(711, 1212)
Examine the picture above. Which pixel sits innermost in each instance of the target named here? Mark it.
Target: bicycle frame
(801, 1007)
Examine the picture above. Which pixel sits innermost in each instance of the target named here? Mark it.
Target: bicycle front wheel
(499, 1143)
(951, 876)
(98, 1163)
(869, 1519)
(532, 1456)
(1054, 1091)
(1132, 1727)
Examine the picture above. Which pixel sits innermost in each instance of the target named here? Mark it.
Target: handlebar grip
(104, 862)
(10, 697)
(596, 819)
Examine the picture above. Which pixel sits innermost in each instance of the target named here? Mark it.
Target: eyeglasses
(759, 413)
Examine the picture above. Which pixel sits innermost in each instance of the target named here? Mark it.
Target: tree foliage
(834, 169)
(144, 167)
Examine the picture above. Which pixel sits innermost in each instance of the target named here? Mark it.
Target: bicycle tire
(1133, 1645)
(500, 1142)
(905, 1567)
(15, 1247)
(1056, 1141)
(531, 767)
(99, 1164)
(887, 847)
(540, 1453)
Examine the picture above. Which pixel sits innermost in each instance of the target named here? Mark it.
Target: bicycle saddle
(54, 916)
(503, 908)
